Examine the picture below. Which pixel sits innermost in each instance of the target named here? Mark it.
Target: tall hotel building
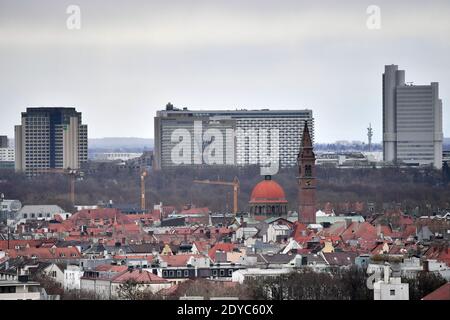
(412, 121)
(50, 138)
(248, 125)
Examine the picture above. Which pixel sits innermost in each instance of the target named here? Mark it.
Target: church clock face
(308, 183)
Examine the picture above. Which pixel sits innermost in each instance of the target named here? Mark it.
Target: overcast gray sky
(132, 57)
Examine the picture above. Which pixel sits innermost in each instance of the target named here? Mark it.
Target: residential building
(278, 232)
(10, 205)
(105, 282)
(257, 273)
(390, 288)
(7, 154)
(240, 131)
(7, 158)
(41, 212)
(72, 277)
(115, 156)
(50, 138)
(55, 272)
(20, 289)
(412, 121)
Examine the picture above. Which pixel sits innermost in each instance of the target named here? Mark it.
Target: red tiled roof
(58, 227)
(440, 254)
(178, 260)
(169, 291)
(45, 253)
(104, 213)
(409, 230)
(358, 230)
(202, 246)
(221, 246)
(20, 243)
(441, 293)
(141, 276)
(111, 268)
(203, 211)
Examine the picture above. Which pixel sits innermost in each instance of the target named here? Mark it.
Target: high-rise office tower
(50, 138)
(412, 121)
(247, 136)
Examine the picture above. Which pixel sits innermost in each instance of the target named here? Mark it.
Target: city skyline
(217, 56)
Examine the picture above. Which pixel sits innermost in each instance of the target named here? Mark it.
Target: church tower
(307, 180)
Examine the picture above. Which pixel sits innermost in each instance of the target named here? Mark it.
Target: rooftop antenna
(369, 136)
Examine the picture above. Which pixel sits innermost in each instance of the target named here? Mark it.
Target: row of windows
(39, 215)
(185, 273)
(178, 273)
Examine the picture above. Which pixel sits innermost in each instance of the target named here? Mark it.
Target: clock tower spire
(307, 179)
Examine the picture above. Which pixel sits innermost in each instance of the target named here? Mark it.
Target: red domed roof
(268, 191)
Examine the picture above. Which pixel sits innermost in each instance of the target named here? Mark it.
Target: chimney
(387, 271)
(348, 222)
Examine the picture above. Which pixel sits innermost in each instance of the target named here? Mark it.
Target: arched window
(308, 170)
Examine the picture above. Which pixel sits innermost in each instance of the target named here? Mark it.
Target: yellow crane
(71, 173)
(234, 184)
(143, 175)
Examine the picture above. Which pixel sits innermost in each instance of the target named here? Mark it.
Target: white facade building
(412, 121)
(41, 212)
(7, 154)
(242, 133)
(277, 231)
(390, 288)
(72, 277)
(10, 205)
(115, 156)
(254, 273)
(17, 290)
(56, 273)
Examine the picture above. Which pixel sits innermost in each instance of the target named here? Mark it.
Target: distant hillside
(120, 144)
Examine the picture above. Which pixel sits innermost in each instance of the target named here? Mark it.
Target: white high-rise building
(412, 121)
(249, 137)
(50, 138)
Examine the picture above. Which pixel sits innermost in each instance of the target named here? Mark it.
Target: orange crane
(144, 174)
(234, 184)
(71, 173)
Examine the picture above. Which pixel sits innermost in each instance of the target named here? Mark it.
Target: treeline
(349, 284)
(425, 189)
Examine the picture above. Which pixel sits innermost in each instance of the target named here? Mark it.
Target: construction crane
(234, 184)
(143, 175)
(71, 173)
